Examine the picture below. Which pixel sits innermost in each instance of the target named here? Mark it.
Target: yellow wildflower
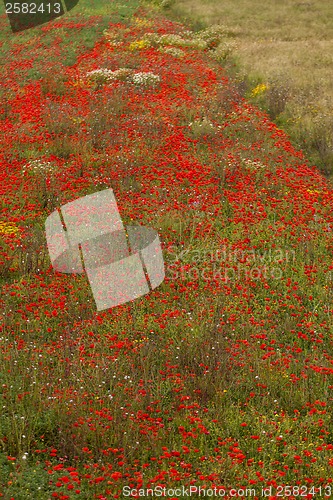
(259, 89)
(312, 191)
(139, 45)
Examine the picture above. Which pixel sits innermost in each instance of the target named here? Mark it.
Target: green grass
(106, 12)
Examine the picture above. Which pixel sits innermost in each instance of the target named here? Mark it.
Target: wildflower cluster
(187, 40)
(36, 167)
(105, 76)
(223, 50)
(253, 164)
(202, 127)
(215, 38)
(213, 35)
(259, 89)
(101, 75)
(217, 41)
(142, 23)
(162, 3)
(173, 51)
(139, 45)
(145, 79)
(8, 228)
(112, 38)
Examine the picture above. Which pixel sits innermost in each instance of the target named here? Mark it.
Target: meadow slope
(281, 55)
(222, 376)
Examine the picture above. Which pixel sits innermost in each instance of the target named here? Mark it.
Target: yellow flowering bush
(259, 89)
(139, 45)
(8, 228)
(312, 191)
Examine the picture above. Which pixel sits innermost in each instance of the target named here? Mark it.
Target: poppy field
(219, 380)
